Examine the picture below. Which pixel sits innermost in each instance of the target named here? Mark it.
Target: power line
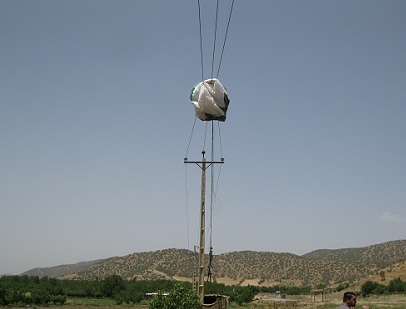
(225, 38)
(213, 189)
(215, 38)
(201, 40)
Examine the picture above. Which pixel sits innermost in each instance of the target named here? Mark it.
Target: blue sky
(95, 121)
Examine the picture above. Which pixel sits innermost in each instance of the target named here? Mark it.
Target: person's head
(350, 299)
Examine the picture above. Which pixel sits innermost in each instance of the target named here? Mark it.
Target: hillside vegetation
(57, 271)
(254, 268)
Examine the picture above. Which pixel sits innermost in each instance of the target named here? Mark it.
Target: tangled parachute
(210, 100)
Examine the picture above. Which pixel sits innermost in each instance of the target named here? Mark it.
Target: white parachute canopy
(210, 100)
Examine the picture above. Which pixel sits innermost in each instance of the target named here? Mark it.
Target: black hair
(348, 296)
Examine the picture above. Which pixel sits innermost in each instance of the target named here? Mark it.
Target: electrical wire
(215, 38)
(201, 40)
(225, 38)
(213, 195)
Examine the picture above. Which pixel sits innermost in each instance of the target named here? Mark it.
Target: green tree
(179, 297)
(58, 299)
(214, 288)
(397, 286)
(112, 285)
(242, 295)
(368, 288)
(342, 287)
(3, 296)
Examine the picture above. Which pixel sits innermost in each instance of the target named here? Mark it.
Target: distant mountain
(61, 270)
(246, 267)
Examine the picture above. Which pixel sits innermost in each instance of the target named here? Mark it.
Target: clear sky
(95, 121)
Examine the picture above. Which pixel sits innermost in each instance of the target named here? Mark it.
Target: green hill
(243, 267)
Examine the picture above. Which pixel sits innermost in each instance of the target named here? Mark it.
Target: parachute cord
(214, 190)
(211, 184)
(217, 183)
(221, 143)
(193, 273)
(190, 139)
(205, 136)
(222, 156)
(215, 38)
(209, 273)
(201, 40)
(186, 208)
(225, 38)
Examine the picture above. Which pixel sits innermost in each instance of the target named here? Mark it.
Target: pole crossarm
(208, 163)
(205, 164)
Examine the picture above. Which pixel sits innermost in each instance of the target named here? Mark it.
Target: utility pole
(203, 164)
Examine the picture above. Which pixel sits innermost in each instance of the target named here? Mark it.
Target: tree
(3, 296)
(368, 288)
(397, 286)
(342, 287)
(179, 297)
(58, 299)
(112, 285)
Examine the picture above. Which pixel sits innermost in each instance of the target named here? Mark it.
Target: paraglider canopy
(210, 100)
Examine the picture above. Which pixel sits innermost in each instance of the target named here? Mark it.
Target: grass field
(248, 306)
(265, 302)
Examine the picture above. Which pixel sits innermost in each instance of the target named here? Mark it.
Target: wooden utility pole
(203, 164)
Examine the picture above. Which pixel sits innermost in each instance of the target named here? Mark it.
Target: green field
(266, 301)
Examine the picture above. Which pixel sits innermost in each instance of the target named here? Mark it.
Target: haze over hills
(244, 267)
(60, 270)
